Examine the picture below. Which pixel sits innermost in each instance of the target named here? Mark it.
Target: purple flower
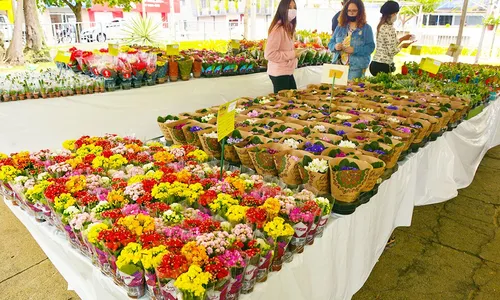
(341, 132)
(361, 85)
(290, 101)
(347, 124)
(349, 90)
(315, 148)
(346, 168)
(195, 128)
(392, 107)
(353, 112)
(295, 116)
(232, 141)
(416, 126)
(411, 100)
(379, 152)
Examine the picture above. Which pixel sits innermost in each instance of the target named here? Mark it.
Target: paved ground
(451, 251)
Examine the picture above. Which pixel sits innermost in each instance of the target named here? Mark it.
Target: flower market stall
(124, 217)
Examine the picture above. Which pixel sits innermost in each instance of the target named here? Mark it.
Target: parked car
(6, 28)
(102, 32)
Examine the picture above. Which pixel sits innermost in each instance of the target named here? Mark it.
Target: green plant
(226, 5)
(142, 31)
(447, 26)
(491, 20)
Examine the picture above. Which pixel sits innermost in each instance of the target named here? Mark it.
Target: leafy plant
(491, 20)
(142, 31)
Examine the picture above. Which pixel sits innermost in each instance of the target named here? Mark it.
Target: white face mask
(292, 14)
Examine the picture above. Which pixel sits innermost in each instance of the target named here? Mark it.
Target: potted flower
(491, 22)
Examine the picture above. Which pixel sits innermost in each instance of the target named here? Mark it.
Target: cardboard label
(172, 49)
(430, 65)
(114, 49)
(339, 72)
(415, 50)
(235, 44)
(454, 50)
(63, 57)
(225, 119)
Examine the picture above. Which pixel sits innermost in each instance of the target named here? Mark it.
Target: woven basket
(264, 161)
(333, 149)
(347, 185)
(177, 135)
(422, 132)
(374, 174)
(210, 145)
(289, 169)
(318, 183)
(166, 133)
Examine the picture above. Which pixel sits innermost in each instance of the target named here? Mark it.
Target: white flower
(347, 144)
(342, 117)
(393, 120)
(20, 179)
(252, 121)
(148, 167)
(264, 100)
(169, 121)
(368, 110)
(397, 137)
(314, 92)
(207, 118)
(43, 176)
(71, 210)
(291, 143)
(319, 128)
(239, 110)
(212, 135)
(168, 213)
(317, 165)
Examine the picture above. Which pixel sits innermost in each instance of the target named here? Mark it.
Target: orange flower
(195, 254)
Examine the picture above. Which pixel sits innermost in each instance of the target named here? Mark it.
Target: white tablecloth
(339, 263)
(46, 123)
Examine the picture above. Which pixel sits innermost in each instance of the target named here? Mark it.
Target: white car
(6, 28)
(102, 32)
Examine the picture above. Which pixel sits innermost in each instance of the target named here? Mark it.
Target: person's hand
(406, 38)
(349, 50)
(406, 45)
(298, 52)
(339, 47)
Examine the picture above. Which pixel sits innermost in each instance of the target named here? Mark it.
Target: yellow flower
(272, 206)
(116, 198)
(88, 149)
(161, 191)
(116, 161)
(278, 228)
(193, 281)
(20, 157)
(163, 157)
(3, 155)
(63, 201)
(100, 162)
(93, 230)
(222, 203)
(199, 155)
(76, 183)
(69, 144)
(155, 144)
(130, 255)
(75, 161)
(239, 184)
(8, 173)
(183, 176)
(236, 213)
(134, 147)
(36, 193)
(151, 258)
(138, 223)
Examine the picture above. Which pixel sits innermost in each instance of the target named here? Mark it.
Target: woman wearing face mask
(280, 51)
(352, 42)
(387, 42)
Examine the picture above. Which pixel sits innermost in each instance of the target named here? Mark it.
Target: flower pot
(173, 70)
(13, 97)
(22, 96)
(36, 95)
(6, 98)
(197, 65)
(64, 93)
(58, 94)
(490, 27)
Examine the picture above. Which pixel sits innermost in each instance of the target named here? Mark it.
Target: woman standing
(280, 51)
(352, 42)
(387, 42)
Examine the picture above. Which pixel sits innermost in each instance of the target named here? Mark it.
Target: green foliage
(142, 31)
(428, 6)
(125, 4)
(491, 20)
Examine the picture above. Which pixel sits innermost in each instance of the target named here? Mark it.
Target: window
(445, 19)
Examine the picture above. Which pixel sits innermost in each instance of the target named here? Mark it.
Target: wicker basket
(210, 145)
(176, 134)
(166, 133)
(318, 183)
(347, 185)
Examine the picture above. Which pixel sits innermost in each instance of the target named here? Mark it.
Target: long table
(45, 123)
(339, 263)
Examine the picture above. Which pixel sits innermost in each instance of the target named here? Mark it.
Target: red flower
(151, 239)
(116, 238)
(86, 199)
(107, 153)
(148, 184)
(113, 214)
(174, 244)
(207, 198)
(217, 268)
(257, 216)
(172, 266)
(55, 190)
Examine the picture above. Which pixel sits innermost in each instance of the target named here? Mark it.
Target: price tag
(339, 72)
(225, 119)
(430, 65)
(63, 57)
(235, 44)
(454, 50)
(415, 50)
(114, 49)
(173, 49)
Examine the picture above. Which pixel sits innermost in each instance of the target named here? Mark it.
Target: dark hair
(383, 20)
(281, 18)
(360, 18)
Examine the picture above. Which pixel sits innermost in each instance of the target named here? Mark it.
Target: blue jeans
(356, 73)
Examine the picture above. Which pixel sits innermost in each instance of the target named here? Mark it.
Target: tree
(409, 12)
(15, 54)
(246, 16)
(74, 5)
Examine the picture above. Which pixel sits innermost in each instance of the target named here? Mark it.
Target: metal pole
(253, 20)
(481, 40)
(461, 28)
(493, 40)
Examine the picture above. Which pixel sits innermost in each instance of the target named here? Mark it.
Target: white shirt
(387, 45)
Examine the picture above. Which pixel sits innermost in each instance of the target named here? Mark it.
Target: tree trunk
(77, 10)
(246, 16)
(34, 37)
(15, 52)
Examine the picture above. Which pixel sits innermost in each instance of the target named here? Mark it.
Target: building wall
(7, 7)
